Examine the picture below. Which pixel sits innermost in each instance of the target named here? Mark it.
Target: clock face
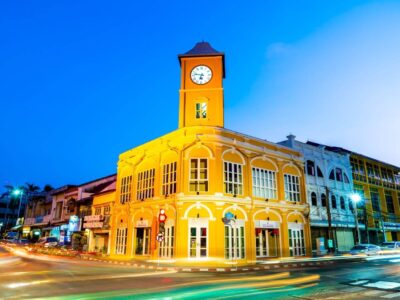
(201, 74)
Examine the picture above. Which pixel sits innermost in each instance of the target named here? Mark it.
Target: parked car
(23, 242)
(47, 242)
(367, 249)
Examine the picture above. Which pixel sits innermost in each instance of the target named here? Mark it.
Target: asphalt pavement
(59, 278)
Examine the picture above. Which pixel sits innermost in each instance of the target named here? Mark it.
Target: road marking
(384, 285)
(359, 282)
(389, 296)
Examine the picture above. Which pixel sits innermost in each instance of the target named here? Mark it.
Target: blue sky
(82, 81)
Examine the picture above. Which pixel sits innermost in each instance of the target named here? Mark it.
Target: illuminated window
(264, 183)
(198, 181)
(107, 209)
(201, 110)
(233, 179)
(169, 179)
(292, 188)
(126, 188)
(120, 245)
(97, 211)
(145, 184)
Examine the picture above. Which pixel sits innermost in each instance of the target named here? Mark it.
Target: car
(365, 249)
(23, 242)
(47, 242)
(390, 245)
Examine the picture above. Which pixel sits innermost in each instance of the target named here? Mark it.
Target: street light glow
(17, 192)
(355, 197)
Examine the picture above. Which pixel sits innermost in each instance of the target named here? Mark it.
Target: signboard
(93, 218)
(142, 223)
(266, 224)
(93, 225)
(73, 224)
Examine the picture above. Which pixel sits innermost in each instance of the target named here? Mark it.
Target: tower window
(201, 110)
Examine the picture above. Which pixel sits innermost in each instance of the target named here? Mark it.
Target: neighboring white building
(328, 176)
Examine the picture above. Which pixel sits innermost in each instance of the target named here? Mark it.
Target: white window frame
(235, 183)
(198, 223)
(292, 187)
(297, 244)
(236, 248)
(121, 239)
(197, 180)
(262, 178)
(166, 247)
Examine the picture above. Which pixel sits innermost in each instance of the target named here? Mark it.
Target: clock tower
(201, 96)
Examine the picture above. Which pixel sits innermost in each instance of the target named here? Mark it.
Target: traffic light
(162, 217)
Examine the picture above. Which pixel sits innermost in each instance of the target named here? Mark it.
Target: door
(267, 242)
(296, 242)
(142, 241)
(198, 238)
(234, 240)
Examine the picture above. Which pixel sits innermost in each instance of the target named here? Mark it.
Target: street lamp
(356, 198)
(18, 192)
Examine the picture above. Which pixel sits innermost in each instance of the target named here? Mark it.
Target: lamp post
(356, 198)
(18, 192)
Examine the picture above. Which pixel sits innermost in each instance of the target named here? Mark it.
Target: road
(26, 278)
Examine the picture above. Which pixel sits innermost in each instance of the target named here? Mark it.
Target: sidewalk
(277, 264)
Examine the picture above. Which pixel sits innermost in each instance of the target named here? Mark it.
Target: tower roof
(203, 49)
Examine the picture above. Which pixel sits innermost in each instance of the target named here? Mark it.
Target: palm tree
(47, 188)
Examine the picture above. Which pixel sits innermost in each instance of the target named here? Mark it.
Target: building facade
(229, 198)
(329, 194)
(378, 184)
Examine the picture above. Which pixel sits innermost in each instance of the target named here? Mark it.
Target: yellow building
(229, 197)
(378, 184)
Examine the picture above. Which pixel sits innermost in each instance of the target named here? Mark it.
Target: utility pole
(328, 211)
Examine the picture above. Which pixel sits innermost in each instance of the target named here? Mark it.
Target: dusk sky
(83, 81)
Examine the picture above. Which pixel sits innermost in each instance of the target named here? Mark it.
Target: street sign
(160, 237)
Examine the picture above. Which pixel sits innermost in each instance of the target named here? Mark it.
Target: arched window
(346, 179)
(332, 175)
(323, 200)
(310, 168)
(333, 202)
(319, 172)
(351, 206)
(339, 176)
(313, 199)
(342, 203)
